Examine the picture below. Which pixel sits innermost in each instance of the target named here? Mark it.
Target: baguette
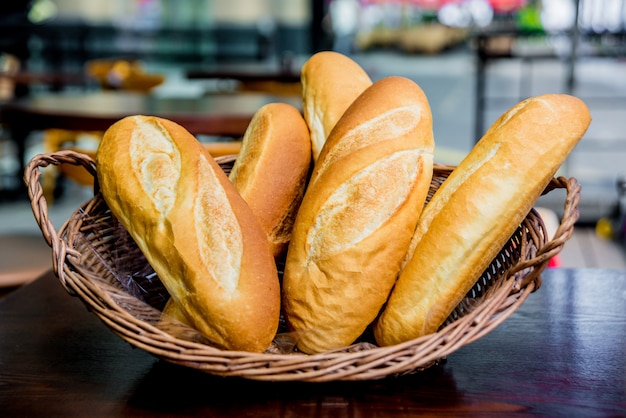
(330, 83)
(358, 214)
(195, 230)
(272, 169)
(477, 209)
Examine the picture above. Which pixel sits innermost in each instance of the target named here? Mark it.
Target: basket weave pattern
(94, 258)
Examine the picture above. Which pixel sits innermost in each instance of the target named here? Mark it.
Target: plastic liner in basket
(94, 258)
(125, 261)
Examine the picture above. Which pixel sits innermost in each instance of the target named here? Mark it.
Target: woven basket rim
(361, 361)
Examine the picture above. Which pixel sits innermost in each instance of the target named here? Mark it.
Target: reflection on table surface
(561, 354)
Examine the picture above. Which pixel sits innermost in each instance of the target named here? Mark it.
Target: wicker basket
(93, 255)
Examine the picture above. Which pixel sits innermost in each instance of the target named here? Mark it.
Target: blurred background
(473, 58)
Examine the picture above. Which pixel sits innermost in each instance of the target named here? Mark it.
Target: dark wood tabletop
(562, 353)
(253, 77)
(56, 80)
(244, 75)
(285, 72)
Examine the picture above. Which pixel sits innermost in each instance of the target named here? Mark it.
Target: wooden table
(260, 77)
(247, 72)
(225, 115)
(244, 76)
(55, 81)
(563, 353)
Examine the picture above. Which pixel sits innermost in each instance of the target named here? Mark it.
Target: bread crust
(330, 83)
(272, 169)
(358, 214)
(194, 228)
(477, 209)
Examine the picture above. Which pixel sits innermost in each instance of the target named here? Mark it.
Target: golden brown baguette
(477, 209)
(358, 215)
(272, 169)
(330, 83)
(196, 231)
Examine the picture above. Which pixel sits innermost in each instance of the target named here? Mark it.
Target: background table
(223, 115)
(561, 354)
(258, 77)
(25, 81)
(248, 72)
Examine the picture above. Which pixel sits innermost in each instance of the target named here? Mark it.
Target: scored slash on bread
(477, 209)
(330, 83)
(194, 228)
(272, 169)
(357, 216)
(270, 173)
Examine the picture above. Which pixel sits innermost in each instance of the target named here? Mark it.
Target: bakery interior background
(430, 41)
